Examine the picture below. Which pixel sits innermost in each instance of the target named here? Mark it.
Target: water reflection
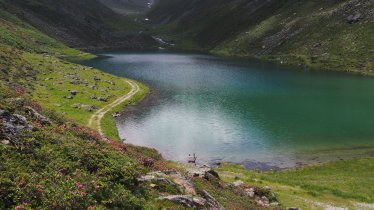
(244, 112)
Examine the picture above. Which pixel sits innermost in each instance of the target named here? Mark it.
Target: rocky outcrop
(189, 201)
(11, 125)
(37, 116)
(190, 198)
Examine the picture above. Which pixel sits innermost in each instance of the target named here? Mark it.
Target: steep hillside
(81, 24)
(333, 34)
(128, 7)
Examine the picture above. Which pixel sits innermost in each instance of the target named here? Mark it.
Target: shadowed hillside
(324, 34)
(82, 24)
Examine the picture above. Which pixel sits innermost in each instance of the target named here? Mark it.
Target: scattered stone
(267, 188)
(238, 183)
(93, 97)
(152, 185)
(354, 18)
(75, 82)
(6, 142)
(265, 200)
(211, 201)
(103, 99)
(76, 105)
(89, 108)
(293, 208)
(202, 171)
(115, 115)
(188, 201)
(110, 82)
(69, 97)
(73, 92)
(96, 78)
(94, 87)
(154, 178)
(250, 192)
(42, 119)
(274, 204)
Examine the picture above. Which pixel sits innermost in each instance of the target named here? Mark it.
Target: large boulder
(11, 126)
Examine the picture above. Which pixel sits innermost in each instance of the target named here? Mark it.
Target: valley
(102, 101)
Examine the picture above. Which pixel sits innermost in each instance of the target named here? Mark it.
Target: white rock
(238, 183)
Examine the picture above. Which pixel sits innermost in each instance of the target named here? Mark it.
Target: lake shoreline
(316, 157)
(159, 94)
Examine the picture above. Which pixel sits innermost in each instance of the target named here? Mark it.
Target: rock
(238, 183)
(96, 78)
(93, 97)
(6, 142)
(354, 18)
(293, 208)
(267, 188)
(12, 125)
(274, 204)
(110, 82)
(69, 97)
(200, 201)
(94, 87)
(116, 114)
(152, 185)
(73, 92)
(188, 201)
(260, 203)
(211, 201)
(76, 105)
(202, 171)
(42, 119)
(265, 200)
(250, 192)
(154, 178)
(103, 99)
(89, 108)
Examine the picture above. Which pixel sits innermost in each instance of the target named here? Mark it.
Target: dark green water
(244, 112)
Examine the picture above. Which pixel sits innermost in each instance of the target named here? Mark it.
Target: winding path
(95, 120)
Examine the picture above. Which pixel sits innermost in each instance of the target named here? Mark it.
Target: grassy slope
(64, 165)
(343, 46)
(84, 24)
(52, 77)
(343, 183)
(314, 34)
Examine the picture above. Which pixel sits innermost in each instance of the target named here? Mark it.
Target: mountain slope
(128, 7)
(80, 24)
(323, 34)
(50, 160)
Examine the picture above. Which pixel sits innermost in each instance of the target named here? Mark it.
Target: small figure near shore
(192, 159)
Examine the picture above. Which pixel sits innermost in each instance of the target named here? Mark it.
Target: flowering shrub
(65, 166)
(19, 91)
(147, 161)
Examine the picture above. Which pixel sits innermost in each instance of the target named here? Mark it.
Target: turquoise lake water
(246, 112)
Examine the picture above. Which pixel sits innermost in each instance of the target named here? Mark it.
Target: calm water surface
(244, 112)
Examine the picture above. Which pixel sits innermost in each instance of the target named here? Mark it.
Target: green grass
(294, 28)
(54, 82)
(17, 34)
(341, 183)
